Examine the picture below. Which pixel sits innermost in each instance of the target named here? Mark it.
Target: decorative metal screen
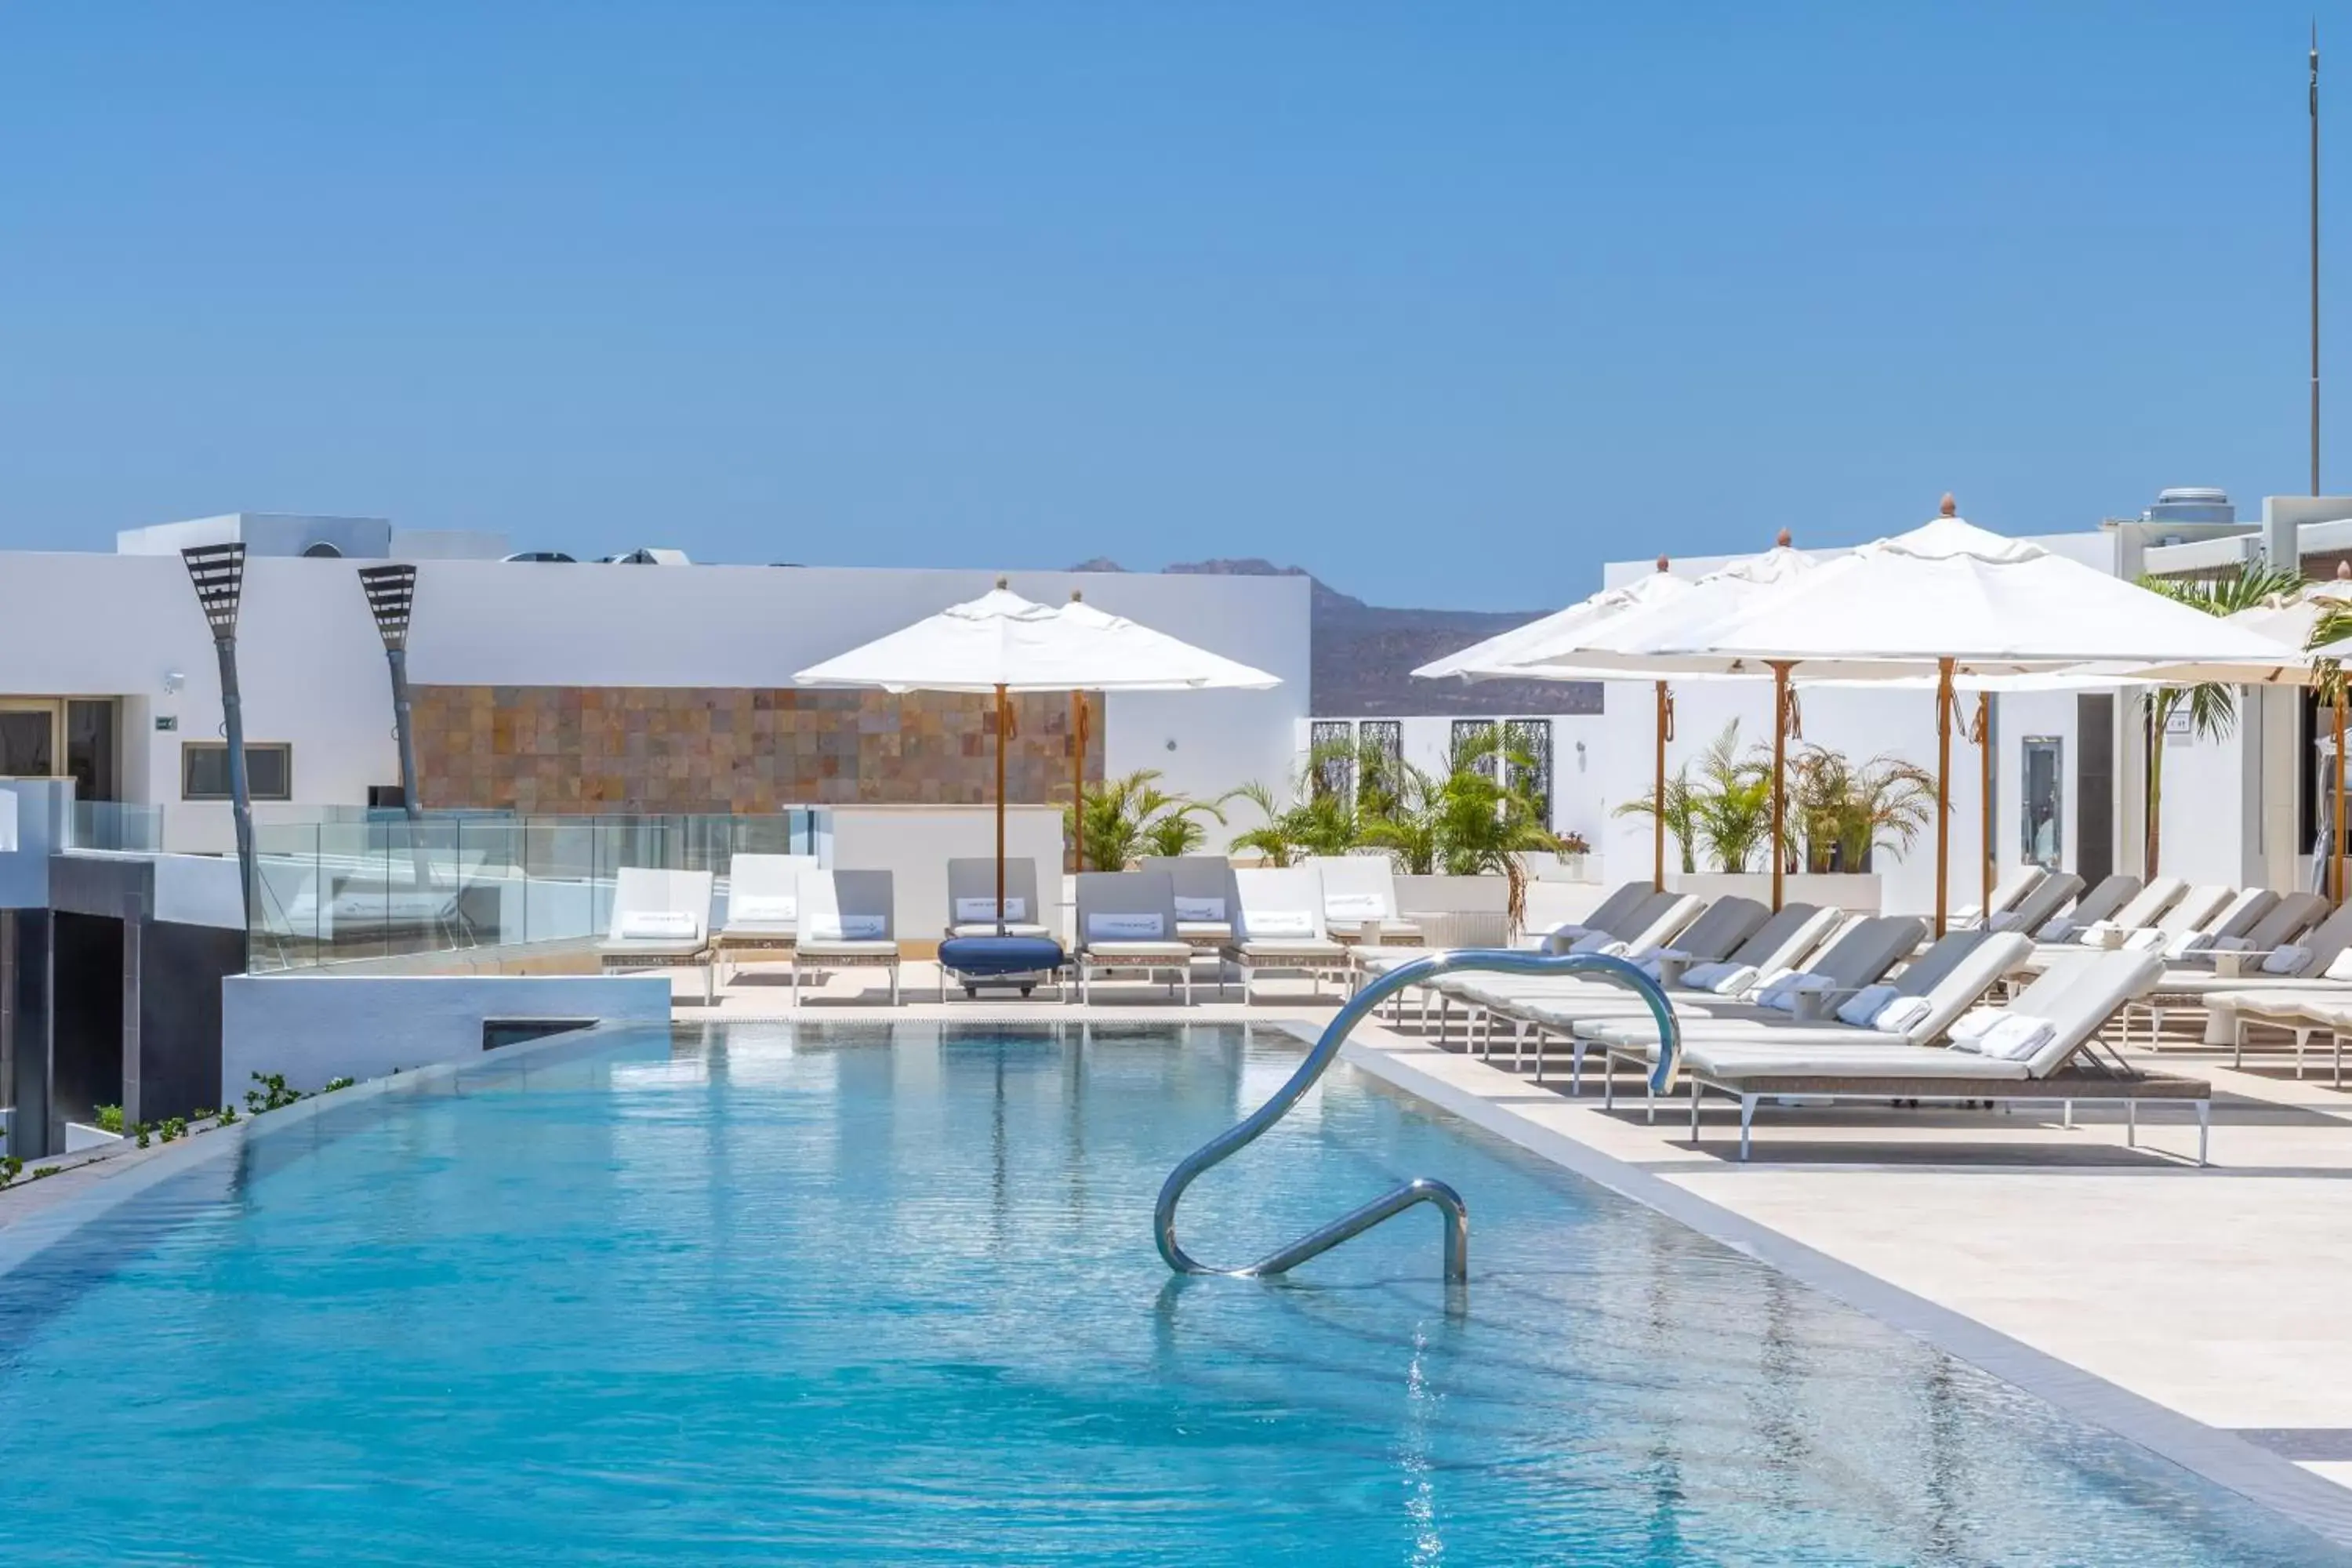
(1468, 733)
(1527, 744)
(1330, 742)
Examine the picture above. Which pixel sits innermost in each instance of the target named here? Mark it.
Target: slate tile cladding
(553, 749)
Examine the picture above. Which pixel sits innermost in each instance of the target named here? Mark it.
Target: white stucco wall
(314, 1028)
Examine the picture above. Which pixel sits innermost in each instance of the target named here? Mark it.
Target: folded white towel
(1205, 909)
(1972, 1025)
(2188, 941)
(2057, 928)
(2017, 1037)
(2340, 966)
(1278, 923)
(2287, 960)
(1596, 942)
(2008, 920)
(2232, 944)
(1105, 925)
(1711, 976)
(2147, 939)
(1901, 1015)
(2101, 934)
(1862, 1007)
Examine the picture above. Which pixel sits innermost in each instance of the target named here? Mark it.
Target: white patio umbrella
(1625, 644)
(1558, 636)
(1960, 599)
(1003, 643)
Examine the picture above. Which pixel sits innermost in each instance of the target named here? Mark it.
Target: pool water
(888, 1295)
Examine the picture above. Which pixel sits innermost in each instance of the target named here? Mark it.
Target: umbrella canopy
(1952, 590)
(1960, 599)
(1556, 635)
(1003, 642)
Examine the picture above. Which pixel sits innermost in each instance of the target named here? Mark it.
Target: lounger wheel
(971, 993)
(1025, 990)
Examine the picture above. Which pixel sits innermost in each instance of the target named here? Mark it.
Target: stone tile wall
(553, 749)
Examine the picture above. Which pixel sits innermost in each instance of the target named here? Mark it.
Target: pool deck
(2217, 1295)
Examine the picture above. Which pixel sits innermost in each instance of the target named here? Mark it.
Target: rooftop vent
(2190, 503)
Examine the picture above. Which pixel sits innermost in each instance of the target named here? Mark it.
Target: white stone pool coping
(1541, 1121)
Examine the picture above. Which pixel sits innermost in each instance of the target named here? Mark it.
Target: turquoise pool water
(858, 1295)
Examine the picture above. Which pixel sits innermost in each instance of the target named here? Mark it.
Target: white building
(108, 675)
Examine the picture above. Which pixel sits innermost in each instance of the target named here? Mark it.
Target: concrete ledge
(318, 1025)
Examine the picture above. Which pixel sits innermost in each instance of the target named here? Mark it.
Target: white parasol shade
(1556, 635)
(1002, 641)
(1951, 591)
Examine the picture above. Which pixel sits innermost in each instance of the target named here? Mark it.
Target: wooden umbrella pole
(1077, 779)
(2335, 844)
(1984, 786)
(1943, 789)
(1779, 770)
(1001, 727)
(1658, 828)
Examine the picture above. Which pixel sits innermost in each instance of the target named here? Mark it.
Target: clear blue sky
(1445, 303)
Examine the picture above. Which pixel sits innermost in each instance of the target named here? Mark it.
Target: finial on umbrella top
(1949, 508)
(1784, 539)
(1661, 563)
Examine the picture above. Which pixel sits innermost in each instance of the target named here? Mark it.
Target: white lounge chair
(846, 921)
(1278, 926)
(2040, 905)
(2006, 895)
(1126, 921)
(2111, 893)
(2304, 1013)
(2315, 963)
(1610, 914)
(1360, 897)
(2138, 912)
(2025, 1052)
(971, 899)
(1658, 923)
(660, 919)
(764, 894)
(1203, 884)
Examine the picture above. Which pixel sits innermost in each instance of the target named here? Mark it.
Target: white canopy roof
(1951, 590)
(1556, 635)
(1004, 640)
(1625, 646)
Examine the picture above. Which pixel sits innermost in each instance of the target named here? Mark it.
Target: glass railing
(117, 824)
(383, 886)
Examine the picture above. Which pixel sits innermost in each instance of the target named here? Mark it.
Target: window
(268, 770)
(1527, 743)
(1380, 747)
(2044, 833)
(1469, 732)
(1331, 745)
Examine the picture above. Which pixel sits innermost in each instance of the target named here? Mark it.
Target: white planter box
(1454, 895)
(1859, 892)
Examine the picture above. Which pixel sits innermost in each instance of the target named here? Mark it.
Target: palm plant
(1411, 825)
(1123, 819)
(1682, 815)
(1478, 822)
(1732, 802)
(1844, 812)
(2212, 708)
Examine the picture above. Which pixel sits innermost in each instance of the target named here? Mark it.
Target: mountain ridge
(1363, 655)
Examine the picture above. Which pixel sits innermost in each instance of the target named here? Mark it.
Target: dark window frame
(190, 750)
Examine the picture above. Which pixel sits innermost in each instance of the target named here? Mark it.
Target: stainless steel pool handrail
(1421, 1189)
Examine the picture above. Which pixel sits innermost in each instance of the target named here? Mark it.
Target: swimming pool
(887, 1294)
